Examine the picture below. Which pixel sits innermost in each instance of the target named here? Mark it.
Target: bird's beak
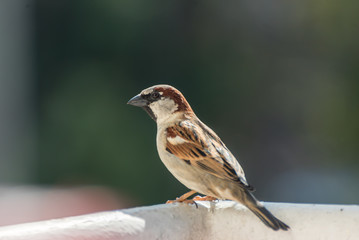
(138, 101)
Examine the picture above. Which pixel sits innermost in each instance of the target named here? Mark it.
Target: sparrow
(195, 155)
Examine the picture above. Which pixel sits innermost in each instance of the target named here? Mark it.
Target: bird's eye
(155, 95)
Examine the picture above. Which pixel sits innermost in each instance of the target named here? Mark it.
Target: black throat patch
(150, 112)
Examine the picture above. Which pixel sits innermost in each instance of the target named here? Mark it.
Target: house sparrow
(195, 155)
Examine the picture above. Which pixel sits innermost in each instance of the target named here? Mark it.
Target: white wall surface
(211, 220)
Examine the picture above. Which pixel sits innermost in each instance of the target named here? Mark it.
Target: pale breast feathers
(200, 147)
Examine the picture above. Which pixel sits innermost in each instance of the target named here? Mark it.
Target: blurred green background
(277, 81)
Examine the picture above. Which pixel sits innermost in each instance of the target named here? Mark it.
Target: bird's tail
(263, 214)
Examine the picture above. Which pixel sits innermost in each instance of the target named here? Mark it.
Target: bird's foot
(205, 198)
(178, 200)
(183, 199)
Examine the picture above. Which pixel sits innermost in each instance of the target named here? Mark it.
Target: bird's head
(161, 102)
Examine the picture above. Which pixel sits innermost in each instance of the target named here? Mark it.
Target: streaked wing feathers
(200, 147)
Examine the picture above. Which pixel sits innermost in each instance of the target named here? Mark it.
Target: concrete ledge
(212, 220)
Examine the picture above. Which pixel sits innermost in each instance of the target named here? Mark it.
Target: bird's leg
(205, 198)
(183, 198)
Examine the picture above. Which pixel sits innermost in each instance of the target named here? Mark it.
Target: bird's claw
(178, 200)
(205, 198)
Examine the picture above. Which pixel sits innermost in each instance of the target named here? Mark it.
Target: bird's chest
(175, 165)
(185, 173)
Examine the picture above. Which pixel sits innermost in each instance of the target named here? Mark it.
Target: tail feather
(268, 219)
(262, 213)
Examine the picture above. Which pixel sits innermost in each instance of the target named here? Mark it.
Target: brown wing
(202, 148)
